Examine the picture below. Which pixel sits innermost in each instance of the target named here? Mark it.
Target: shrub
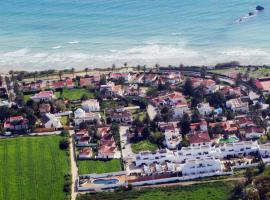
(67, 186)
(64, 133)
(64, 144)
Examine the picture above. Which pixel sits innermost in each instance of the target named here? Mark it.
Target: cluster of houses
(210, 144)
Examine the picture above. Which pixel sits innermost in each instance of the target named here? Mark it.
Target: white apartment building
(239, 148)
(200, 166)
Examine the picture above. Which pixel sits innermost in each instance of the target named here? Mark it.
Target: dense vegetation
(33, 168)
(210, 191)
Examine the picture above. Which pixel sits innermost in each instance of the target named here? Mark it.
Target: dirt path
(187, 183)
(74, 169)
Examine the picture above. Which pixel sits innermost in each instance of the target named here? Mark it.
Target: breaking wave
(27, 59)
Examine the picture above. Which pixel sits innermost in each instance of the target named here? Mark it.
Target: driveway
(151, 111)
(127, 153)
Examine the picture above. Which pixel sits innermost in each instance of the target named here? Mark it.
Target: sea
(62, 34)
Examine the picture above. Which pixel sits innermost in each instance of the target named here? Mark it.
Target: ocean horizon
(49, 34)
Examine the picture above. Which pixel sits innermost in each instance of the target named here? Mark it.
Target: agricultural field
(144, 145)
(99, 167)
(32, 168)
(210, 191)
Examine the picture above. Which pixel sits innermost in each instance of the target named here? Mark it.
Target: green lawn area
(210, 191)
(26, 97)
(99, 167)
(32, 168)
(75, 94)
(261, 72)
(139, 114)
(144, 145)
(64, 120)
(109, 104)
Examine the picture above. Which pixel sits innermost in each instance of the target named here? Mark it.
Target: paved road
(74, 169)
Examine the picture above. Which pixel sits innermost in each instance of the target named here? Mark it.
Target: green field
(261, 72)
(32, 168)
(75, 94)
(209, 191)
(144, 145)
(96, 166)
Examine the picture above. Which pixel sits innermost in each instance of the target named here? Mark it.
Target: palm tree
(60, 74)
(86, 70)
(144, 68)
(125, 64)
(73, 72)
(113, 67)
(157, 66)
(35, 75)
(11, 72)
(139, 67)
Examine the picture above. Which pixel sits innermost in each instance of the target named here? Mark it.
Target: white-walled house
(91, 105)
(81, 116)
(204, 108)
(172, 138)
(51, 121)
(237, 105)
(179, 110)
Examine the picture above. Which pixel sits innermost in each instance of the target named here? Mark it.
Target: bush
(67, 186)
(64, 133)
(64, 144)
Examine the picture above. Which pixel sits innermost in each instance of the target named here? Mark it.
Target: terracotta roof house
(263, 84)
(16, 123)
(43, 96)
(252, 132)
(120, 116)
(199, 138)
(67, 83)
(85, 153)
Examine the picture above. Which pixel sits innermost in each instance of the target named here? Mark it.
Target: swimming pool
(106, 181)
(229, 140)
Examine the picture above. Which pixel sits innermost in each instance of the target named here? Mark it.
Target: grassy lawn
(209, 191)
(75, 94)
(261, 72)
(99, 167)
(109, 104)
(26, 97)
(143, 145)
(32, 168)
(64, 120)
(141, 115)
